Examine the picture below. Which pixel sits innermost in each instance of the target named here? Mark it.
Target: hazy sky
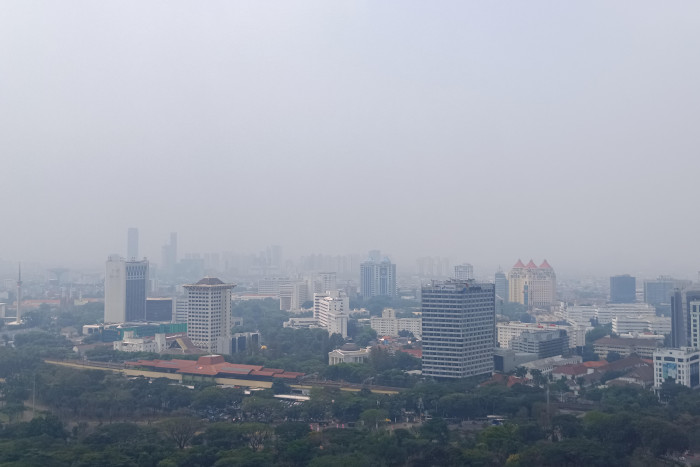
(482, 131)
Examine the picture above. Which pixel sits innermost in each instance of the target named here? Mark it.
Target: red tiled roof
(531, 265)
(213, 365)
(519, 264)
(545, 265)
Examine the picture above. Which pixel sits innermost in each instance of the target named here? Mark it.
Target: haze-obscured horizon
(482, 132)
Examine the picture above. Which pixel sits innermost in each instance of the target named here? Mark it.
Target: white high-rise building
(209, 315)
(331, 310)
(115, 290)
(126, 289)
(458, 328)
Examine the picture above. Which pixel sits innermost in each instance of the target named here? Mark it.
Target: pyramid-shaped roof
(531, 265)
(545, 265)
(519, 264)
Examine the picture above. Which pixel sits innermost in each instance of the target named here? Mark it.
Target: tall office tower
(623, 289)
(679, 321)
(328, 281)
(501, 282)
(19, 294)
(691, 299)
(458, 328)
(464, 272)
(331, 310)
(531, 285)
(126, 288)
(209, 315)
(377, 278)
(170, 253)
(132, 243)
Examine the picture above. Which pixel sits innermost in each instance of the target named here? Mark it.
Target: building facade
(681, 366)
(332, 309)
(389, 325)
(623, 289)
(209, 315)
(531, 285)
(458, 328)
(464, 272)
(126, 289)
(544, 343)
(377, 278)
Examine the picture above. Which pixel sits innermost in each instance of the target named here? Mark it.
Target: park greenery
(55, 415)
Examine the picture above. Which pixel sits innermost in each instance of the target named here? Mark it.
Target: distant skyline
(482, 132)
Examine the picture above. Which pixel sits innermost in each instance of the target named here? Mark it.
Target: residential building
(681, 366)
(126, 288)
(544, 343)
(377, 277)
(209, 314)
(464, 272)
(623, 289)
(531, 285)
(458, 328)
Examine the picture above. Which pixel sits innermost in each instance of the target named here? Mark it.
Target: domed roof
(210, 281)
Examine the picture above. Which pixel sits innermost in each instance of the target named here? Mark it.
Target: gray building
(132, 243)
(545, 344)
(623, 289)
(458, 328)
(659, 291)
(136, 290)
(377, 277)
(501, 281)
(159, 309)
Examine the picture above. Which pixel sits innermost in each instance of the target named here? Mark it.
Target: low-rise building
(544, 343)
(349, 353)
(625, 346)
(681, 366)
(507, 331)
(389, 325)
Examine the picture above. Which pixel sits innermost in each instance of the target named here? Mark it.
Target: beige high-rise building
(532, 285)
(209, 315)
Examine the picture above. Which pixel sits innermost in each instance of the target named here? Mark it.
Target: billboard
(669, 370)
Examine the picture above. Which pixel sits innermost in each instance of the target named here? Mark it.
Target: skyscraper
(377, 277)
(623, 289)
(531, 285)
(132, 243)
(126, 288)
(209, 315)
(501, 282)
(170, 253)
(458, 328)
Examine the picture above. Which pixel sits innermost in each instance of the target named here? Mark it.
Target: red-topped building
(532, 285)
